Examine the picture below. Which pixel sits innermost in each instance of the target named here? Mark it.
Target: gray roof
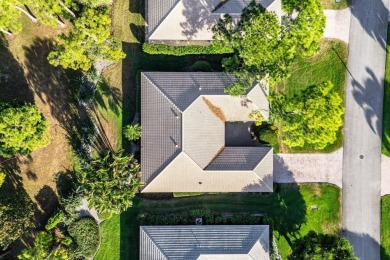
(183, 117)
(183, 20)
(238, 159)
(204, 242)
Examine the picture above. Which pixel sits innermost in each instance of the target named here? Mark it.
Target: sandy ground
(47, 87)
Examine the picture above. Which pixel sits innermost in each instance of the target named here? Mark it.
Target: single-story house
(197, 138)
(192, 20)
(205, 242)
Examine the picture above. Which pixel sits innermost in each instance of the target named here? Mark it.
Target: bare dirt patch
(30, 78)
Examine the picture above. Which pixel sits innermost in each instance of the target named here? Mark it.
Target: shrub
(2, 178)
(202, 66)
(23, 129)
(67, 241)
(152, 48)
(270, 137)
(132, 132)
(85, 234)
(54, 220)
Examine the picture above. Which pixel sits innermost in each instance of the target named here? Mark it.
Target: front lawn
(289, 209)
(386, 104)
(329, 64)
(331, 4)
(385, 228)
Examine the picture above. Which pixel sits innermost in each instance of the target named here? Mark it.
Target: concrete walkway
(291, 168)
(338, 24)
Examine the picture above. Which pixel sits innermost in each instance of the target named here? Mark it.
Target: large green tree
(305, 25)
(258, 48)
(110, 182)
(264, 48)
(23, 129)
(315, 246)
(311, 118)
(89, 40)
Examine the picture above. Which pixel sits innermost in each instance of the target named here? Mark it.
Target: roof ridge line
(165, 17)
(162, 252)
(162, 93)
(257, 165)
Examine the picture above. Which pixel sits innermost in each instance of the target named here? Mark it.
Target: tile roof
(184, 20)
(184, 136)
(208, 242)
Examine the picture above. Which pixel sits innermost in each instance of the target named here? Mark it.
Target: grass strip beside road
(386, 103)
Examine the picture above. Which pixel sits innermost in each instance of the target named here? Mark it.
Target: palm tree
(110, 182)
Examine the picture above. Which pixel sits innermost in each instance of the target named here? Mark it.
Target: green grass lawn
(329, 64)
(385, 228)
(331, 4)
(386, 104)
(289, 208)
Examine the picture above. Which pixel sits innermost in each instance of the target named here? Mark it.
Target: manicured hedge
(208, 217)
(154, 48)
(85, 234)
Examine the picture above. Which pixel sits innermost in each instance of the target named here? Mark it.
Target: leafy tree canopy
(16, 211)
(263, 47)
(311, 118)
(22, 129)
(95, 3)
(89, 40)
(257, 45)
(322, 247)
(110, 182)
(43, 249)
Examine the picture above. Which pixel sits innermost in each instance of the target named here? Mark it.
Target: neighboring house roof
(183, 20)
(208, 242)
(188, 138)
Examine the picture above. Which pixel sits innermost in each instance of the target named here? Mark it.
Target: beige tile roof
(184, 20)
(183, 146)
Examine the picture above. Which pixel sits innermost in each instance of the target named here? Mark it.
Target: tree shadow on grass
(288, 211)
(53, 85)
(13, 83)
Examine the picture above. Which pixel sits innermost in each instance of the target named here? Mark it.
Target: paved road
(363, 127)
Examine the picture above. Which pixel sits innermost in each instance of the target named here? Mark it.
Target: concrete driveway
(291, 168)
(338, 24)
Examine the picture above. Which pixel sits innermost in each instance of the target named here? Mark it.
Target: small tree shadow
(47, 201)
